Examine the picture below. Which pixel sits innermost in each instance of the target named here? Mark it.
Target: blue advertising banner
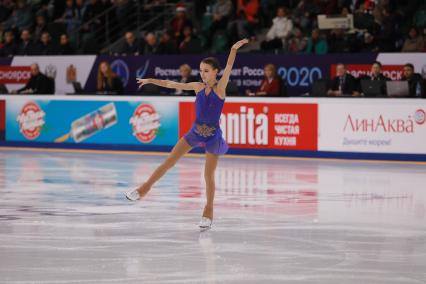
(92, 122)
(297, 71)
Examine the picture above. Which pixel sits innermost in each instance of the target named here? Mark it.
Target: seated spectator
(70, 17)
(166, 45)
(190, 44)
(376, 75)
(316, 44)
(179, 22)
(271, 83)
(21, 17)
(279, 31)
(39, 28)
(305, 12)
(340, 41)
(5, 10)
(344, 83)
(79, 9)
(186, 77)
(369, 44)
(9, 47)
(151, 45)
(107, 81)
(249, 9)
(45, 46)
(416, 83)
(221, 12)
(65, 47)
(131, 46)
(297, 42)
(93, 9)
(125, 13)
(376, 72)
(414, 42)
(38, 83)
(240, 28)
(387, 35)
(26, 47)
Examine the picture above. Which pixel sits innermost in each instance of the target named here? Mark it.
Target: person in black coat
(131, 46)
(377, 75)
(65, 47)
(415, 81)
(38, 83)
(344, 83)
(26, 47)
(107, 81)
(9, 47)
(46, 46)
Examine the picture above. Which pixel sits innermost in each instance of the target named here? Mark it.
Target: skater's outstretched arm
(223, 82)
(193, 86)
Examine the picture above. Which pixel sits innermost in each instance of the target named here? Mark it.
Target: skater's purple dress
(205, 131)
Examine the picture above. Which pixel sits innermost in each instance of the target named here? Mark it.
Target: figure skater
(205, 131)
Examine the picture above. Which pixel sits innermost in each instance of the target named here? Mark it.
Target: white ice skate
(205, 223)
(133, 195)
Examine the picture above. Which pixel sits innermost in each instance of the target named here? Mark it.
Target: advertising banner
(297, 71)
(417, 59)
(92, 122)
(262, 125)
(373, 127)
(2, 119)
(64, 69)
(393, 72)
(14, 74)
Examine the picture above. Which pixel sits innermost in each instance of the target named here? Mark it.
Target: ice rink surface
(64, 219)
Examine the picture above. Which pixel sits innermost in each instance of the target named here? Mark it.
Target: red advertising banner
(262, 125)
(393, 72)
(14, 74)
(2, 116)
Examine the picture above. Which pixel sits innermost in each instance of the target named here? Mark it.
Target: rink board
(298, 127)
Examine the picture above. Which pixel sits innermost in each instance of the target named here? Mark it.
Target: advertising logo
(71, 73)
(145, 123)
(245, 126)
(393, 72)
(419, 116)
(14, 74)
(262, 125)
(122, 70)
(31, 120)
(140, 73)
(383, 123)
(50, 71)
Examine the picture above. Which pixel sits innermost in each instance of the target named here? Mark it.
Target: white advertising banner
(373, 126)
(64, 69)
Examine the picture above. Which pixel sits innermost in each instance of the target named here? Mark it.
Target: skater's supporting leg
(209, 171)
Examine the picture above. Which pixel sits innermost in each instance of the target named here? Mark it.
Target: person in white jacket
(280, 30)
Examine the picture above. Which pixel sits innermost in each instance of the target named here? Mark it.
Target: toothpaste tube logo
(145, 123)
(31, 120)
(91, 124)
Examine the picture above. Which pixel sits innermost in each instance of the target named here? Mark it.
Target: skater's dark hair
(213, 62)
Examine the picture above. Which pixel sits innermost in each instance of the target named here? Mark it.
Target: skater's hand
(141, 82)
(240, 43)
